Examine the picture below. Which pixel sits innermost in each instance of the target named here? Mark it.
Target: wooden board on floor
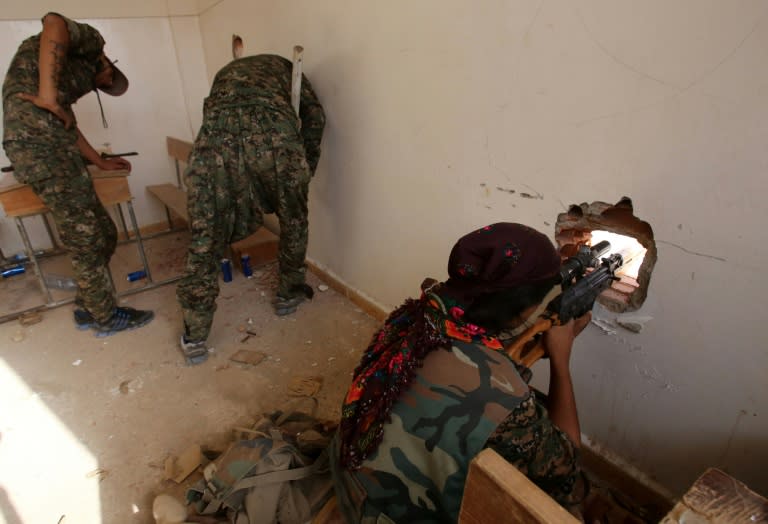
(718, 498)
(496, 491)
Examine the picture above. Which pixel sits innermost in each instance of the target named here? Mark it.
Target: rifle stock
(529, 347)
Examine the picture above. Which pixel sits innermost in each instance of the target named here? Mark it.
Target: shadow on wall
(683, 461)
(7, 511)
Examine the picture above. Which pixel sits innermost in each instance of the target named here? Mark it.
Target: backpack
(280, 475)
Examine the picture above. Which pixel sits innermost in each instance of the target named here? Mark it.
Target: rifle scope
(585, 258)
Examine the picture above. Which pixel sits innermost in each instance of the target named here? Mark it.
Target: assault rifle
(583, 277)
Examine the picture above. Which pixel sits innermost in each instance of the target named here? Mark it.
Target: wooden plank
(496, 491)
(172, 197)
(178, 149)
(19, 200)
(112, 190)
(99, 173)
(718, 498)
(10, 187)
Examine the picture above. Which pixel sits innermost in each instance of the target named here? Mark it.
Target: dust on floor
(86, 423)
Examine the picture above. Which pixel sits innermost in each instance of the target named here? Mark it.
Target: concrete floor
(86, 423)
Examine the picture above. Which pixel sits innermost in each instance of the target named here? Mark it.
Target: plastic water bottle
(60, 282)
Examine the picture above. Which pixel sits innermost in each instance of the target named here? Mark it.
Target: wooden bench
(173, 197)
(260, 246)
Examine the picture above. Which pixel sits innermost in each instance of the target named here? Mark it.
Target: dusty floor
(86, 423)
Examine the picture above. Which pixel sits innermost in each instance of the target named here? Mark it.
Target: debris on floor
(179, 468)
(246, 356)
(98, 473)
(248, 334)
(29, 318)
(304, 386)
(168, 510)
(130, 386)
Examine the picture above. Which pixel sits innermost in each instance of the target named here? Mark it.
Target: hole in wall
(237, 46)
(588, 224)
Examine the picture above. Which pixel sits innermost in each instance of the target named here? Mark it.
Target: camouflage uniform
(45, 156)
(249, 158)
(460, 402)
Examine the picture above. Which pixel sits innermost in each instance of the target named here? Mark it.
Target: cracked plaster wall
(436, 114)
(443, 118)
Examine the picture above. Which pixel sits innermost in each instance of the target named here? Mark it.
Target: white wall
(162, 57)
(432, 106)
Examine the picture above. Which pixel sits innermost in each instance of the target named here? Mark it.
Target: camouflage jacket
(265, 80)
(26, 122)
(443, 420)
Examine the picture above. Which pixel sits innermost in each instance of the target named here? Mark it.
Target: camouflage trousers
(60, 179)
(246, 161)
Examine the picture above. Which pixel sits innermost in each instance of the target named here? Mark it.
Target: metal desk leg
(33, 258)
(139, 241)
(122, 222)
(111, 281)
(168, 216)
(49, 229)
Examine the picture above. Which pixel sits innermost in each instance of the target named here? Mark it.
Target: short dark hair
(493, 311)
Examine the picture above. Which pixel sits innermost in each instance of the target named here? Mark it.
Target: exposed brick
(624, 287)
(575, 227)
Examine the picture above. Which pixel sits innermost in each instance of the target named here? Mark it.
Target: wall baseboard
(641, 490)
(358, 298)
(152, 229)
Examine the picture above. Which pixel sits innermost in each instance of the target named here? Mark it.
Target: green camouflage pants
(246, 161)
(530, 441)
(59, 178)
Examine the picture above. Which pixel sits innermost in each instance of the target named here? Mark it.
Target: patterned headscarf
(496, 257)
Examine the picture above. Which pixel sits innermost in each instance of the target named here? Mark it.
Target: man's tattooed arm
(54, 42)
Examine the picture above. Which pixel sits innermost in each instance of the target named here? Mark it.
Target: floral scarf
(495, 257)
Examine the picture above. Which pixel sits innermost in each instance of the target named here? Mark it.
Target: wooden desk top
(93, 170)
(19, 200)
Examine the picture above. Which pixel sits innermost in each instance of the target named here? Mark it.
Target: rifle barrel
(601, 248)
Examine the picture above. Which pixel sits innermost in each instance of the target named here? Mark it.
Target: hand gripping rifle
(583, 277)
